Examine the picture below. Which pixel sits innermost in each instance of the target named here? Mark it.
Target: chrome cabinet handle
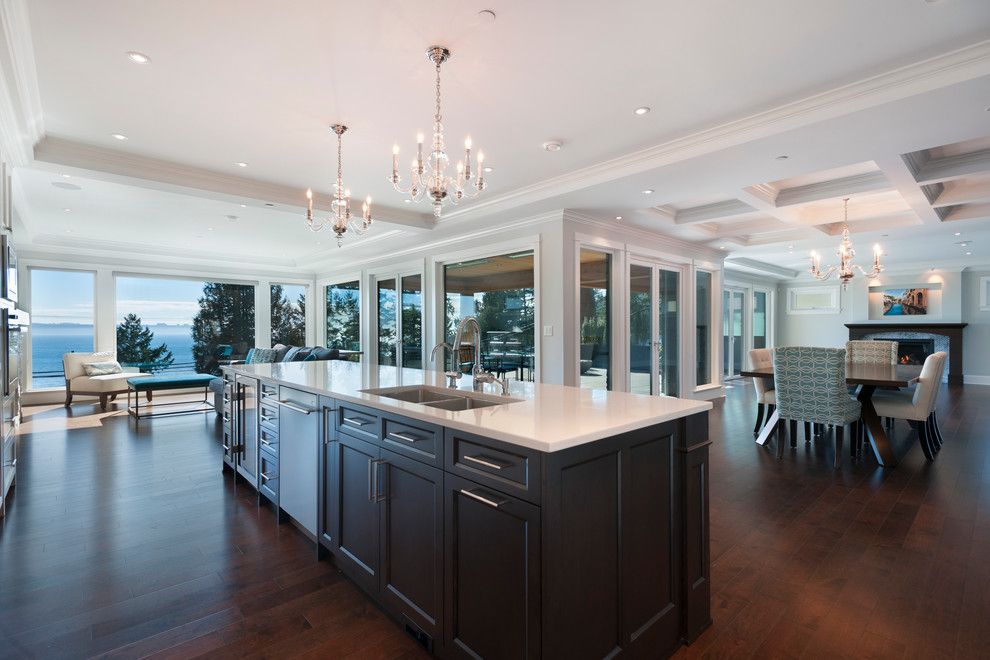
(403, 436)
(265, 442)
(265, 418)
(356, 421)
(265, 477)
(379, 496)
(481, 498)
(292, 406)
(481, 461)
(371, 485)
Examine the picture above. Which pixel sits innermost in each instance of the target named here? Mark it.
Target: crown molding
(715, 211)
(748, 265)
(844, 187)
(940, 170)
(956, 66)
(670, 243)
(21, 118)
(115, 166)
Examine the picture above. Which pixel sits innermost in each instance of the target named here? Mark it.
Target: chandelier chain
(438, 116)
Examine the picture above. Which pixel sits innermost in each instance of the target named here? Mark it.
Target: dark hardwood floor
(130, 544)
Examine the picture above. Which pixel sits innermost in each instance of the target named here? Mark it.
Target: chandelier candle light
(432, 177)
(340, 208)
(845, 252)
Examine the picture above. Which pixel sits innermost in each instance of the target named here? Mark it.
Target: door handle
(380, 494)
(371, 479)
(481, 498)
(292, 406)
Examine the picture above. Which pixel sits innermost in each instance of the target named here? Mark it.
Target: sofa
(106, 387)
(277, 353)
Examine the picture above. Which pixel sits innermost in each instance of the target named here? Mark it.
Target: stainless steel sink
(442, 398)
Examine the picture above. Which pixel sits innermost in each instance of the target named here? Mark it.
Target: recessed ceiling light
(648, 191)
(489, 169)
(958, 233)
(407, 201)
(641, 110)
(968, 253)
(240, 164)
(68, 231)
(721, 247)
(67, 210)
(209, 229)
(962, 243)
(137, 57)
(790, 247)
(553, 145)
(618, 217)
(119, 136)
(243, 206)
(232, 218)
(781, 157)
(66, 176)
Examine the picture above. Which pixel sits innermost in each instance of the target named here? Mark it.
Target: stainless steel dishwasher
(299, 445)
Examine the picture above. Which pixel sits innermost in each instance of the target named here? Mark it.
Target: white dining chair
(918, 406)
(766, 398)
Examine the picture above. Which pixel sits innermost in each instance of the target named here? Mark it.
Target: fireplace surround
(943, 336)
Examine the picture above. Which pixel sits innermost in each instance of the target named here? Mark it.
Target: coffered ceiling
(875, 101)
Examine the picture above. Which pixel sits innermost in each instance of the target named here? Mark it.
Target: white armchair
(107, 387)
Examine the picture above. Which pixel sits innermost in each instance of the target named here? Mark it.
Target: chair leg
(932, 436)
(807, 431)
(68, 397)
(781, 437)
(759, 418)
(926, 445)
(148, 395)
(936, 429)
(819, 429)
(793, 433)
(839, 430)
(853, 438)
(103, 402)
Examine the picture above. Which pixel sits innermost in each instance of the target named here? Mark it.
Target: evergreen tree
(343, 321)
(225, 316)
(288, 318)
(134, 346)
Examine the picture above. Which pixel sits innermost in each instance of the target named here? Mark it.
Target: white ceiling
(250, 81)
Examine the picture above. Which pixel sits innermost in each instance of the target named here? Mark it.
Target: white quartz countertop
(547, 418)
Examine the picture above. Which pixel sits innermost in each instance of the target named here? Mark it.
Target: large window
(386, 322)
(654, 336)
(412, 321)
(400, 335)
(703, 326)
(595, 319)
(289, 314)
(61, 322)
(760, 319)
(183, 326)
(500, 292)
(344, 316)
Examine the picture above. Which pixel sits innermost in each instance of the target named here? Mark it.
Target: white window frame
(321, 308)
(307, 288)
(832, 308)
(397, 274)
(715, 326)
(617, 358)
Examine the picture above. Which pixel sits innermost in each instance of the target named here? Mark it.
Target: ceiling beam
(963, 192)
(714, 211)
(969, 212)
(115, 166)
(744, 263)
(835, 188)
(900, 172)
(940, 170)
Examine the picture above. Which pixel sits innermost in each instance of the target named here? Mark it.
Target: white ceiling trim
(940, 170)
(21, 118)
(956, 66)
(714, 211)
(752, 265)
(844, 187)
(670, 243)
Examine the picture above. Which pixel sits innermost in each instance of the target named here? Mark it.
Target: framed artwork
(905, 302)
(813, 300)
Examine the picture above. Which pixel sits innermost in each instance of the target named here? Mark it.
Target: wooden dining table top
(878, 375)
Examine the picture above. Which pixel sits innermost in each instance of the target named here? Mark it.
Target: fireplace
(912, 351)
(910, 336)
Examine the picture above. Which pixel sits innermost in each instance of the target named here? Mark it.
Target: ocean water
(50, 341)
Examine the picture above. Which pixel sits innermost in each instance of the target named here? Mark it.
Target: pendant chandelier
(432, 178)
(340, 219)
(845, 252)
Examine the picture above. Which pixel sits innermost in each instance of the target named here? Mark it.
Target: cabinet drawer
(268, 475)
(269, 440)
(359, 422)
(268, 415)
(416, 440)
(269, 392)
(508, 468)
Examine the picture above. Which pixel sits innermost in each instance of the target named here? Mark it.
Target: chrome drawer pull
(402, 436)
(292, 406)
(481, 461)
(265, 442)
(482, 499)
(356, 421)
(265, 418)
(265, 477)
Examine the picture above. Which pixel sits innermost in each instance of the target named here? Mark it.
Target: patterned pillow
(262, 356)
(102, 368)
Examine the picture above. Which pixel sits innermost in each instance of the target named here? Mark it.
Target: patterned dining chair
(765, 398)
(918, 406)
(810, 385)
(871, 351)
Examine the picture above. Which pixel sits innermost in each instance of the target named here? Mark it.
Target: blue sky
(67, 297)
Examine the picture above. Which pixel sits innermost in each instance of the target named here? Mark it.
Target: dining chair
(918, 406)
(871, 351)
(765, 400)
(810, 386)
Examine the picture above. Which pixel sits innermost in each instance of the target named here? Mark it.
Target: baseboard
(976, 380)
(708, 392)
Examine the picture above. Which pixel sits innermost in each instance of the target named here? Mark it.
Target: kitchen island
(554, 522)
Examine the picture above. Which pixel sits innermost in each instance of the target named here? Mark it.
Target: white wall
(976, 336)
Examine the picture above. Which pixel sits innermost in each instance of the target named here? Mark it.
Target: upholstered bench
(151, 384)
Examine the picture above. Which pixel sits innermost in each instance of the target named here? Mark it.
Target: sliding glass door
(733, 339)
(400, 321)
(654, 329)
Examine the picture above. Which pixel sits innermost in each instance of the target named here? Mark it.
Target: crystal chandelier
(340, 208)
(845, 252)
(432, 178)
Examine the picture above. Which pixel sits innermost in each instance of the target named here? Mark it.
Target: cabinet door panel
(298, 456)
(492, 584)
(356, 545)
(328, 476)
(247, 427)
(412, 540)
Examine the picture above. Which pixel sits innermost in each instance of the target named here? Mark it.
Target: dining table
(867, 378)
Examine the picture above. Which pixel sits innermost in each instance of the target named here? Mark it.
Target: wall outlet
(548, 331)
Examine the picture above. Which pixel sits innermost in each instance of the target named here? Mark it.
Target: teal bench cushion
(173, 382)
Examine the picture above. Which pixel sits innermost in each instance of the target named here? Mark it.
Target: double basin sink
(441, 398)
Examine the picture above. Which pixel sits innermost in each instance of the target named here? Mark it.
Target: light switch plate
(548, 331)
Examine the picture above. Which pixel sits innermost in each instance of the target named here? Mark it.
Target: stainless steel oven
(8, 257)
(13, 324)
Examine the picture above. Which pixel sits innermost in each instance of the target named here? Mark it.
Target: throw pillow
(102, 368)
(303, 352)
(262, 356)
(290, 355)
(280, 351)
